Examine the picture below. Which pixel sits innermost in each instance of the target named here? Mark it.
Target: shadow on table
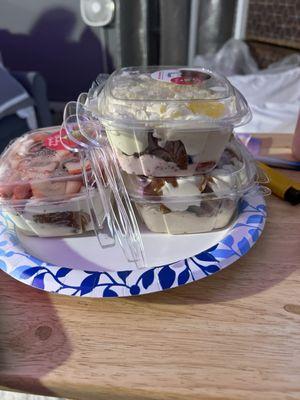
(32, 339)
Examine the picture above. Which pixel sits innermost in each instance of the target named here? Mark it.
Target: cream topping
(186, 187)
(141, 97)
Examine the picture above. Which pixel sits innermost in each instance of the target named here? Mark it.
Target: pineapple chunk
(213, 110)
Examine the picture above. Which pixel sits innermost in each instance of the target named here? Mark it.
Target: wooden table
(235, 335)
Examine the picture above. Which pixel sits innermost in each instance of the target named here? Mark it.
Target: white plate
(77, 266)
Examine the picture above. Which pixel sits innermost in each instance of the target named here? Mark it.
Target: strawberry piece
(22, 192)
(6, 191)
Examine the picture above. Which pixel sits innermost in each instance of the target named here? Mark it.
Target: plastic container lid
(235, 174)
(37, 166)
(172, 95)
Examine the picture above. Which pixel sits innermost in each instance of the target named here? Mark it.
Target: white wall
(19, 16)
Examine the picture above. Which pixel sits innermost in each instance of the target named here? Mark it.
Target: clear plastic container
(195, 204)
(164, 121)
(41, 186)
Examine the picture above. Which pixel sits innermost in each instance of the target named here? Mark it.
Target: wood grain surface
(234, 335)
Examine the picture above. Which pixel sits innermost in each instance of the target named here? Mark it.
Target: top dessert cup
(164, 121)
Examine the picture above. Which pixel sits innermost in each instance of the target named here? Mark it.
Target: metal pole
(193, 31)
(241, 19)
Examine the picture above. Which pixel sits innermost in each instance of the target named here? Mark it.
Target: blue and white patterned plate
(233, 244)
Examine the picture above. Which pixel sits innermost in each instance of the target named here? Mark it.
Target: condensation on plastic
(93, 148)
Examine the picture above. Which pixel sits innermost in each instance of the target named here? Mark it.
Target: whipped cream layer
(138, 96)
(186, 222)
(167, 152)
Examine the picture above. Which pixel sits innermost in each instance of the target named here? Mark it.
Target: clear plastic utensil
(89, 125)
(75, 142)
(122, 216)
(124, 219)
(91, 143)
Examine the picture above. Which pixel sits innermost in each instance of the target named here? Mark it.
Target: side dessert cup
(41, 186)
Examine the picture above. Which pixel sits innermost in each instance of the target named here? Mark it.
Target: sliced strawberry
(6, 191)
(22, 192)
(73, 187)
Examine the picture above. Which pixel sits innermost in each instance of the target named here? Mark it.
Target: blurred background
(52, 50)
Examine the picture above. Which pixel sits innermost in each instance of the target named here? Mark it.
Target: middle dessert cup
(178, 205)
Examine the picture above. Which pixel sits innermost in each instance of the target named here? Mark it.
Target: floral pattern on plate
(32, 271)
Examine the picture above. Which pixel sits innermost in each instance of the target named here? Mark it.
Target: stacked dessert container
(171, 130)
(42, 187)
